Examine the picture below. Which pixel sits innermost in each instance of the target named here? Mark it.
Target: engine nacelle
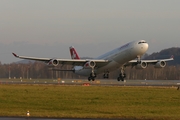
(160, 64)
(141, 65)
(53, 62)
(90, 64)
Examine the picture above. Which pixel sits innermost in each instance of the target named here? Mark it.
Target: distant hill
(167, 53)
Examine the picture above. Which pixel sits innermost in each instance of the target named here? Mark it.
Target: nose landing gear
(122, 75)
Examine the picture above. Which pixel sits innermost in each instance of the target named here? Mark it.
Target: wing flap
(81, 62)
(133, 62)
(78, 62)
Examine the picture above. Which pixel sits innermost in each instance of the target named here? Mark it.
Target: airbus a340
(119, 58)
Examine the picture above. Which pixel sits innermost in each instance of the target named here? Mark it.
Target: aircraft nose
(140, 47)
(145, 46)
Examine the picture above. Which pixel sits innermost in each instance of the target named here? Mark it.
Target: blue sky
(46, 28)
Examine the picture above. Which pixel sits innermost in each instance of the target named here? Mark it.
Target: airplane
(119, 58)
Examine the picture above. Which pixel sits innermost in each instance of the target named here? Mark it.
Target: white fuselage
(117, 57)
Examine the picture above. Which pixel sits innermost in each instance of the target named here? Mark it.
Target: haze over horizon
(45, 28)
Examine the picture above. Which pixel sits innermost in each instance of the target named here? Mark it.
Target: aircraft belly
(119, 60)
(84, 72)
(110, 67)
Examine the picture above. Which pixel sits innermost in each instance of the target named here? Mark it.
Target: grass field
(90, 101)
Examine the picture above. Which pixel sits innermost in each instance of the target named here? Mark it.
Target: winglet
(172, 57)
(15, 55)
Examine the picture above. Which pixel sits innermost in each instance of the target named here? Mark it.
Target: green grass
(90, 102)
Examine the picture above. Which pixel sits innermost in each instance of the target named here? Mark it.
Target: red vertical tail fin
(73, 53)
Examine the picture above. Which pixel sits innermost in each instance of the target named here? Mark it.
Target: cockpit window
(141, 42)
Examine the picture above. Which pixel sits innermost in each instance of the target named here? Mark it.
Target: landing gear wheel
(122, 75)
(122, 79)
(106, 75)
(89, 78)
(92, 77)
(118, 79)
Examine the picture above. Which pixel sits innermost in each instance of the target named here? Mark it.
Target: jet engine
(160, 64)
(141, 65)
(90, 64)
(53, 62)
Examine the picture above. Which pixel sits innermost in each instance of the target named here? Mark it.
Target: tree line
(39, 70)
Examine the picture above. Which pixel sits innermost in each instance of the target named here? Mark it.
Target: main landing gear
(106, 75)
(122, 75)
(92, 75)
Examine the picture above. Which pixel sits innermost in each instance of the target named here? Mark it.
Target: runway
(98, 82)
(31, 118)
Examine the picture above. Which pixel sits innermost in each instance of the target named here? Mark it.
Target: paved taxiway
(100, 82)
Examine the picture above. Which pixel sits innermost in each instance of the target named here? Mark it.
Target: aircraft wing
(78, 62)
(134, 62)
